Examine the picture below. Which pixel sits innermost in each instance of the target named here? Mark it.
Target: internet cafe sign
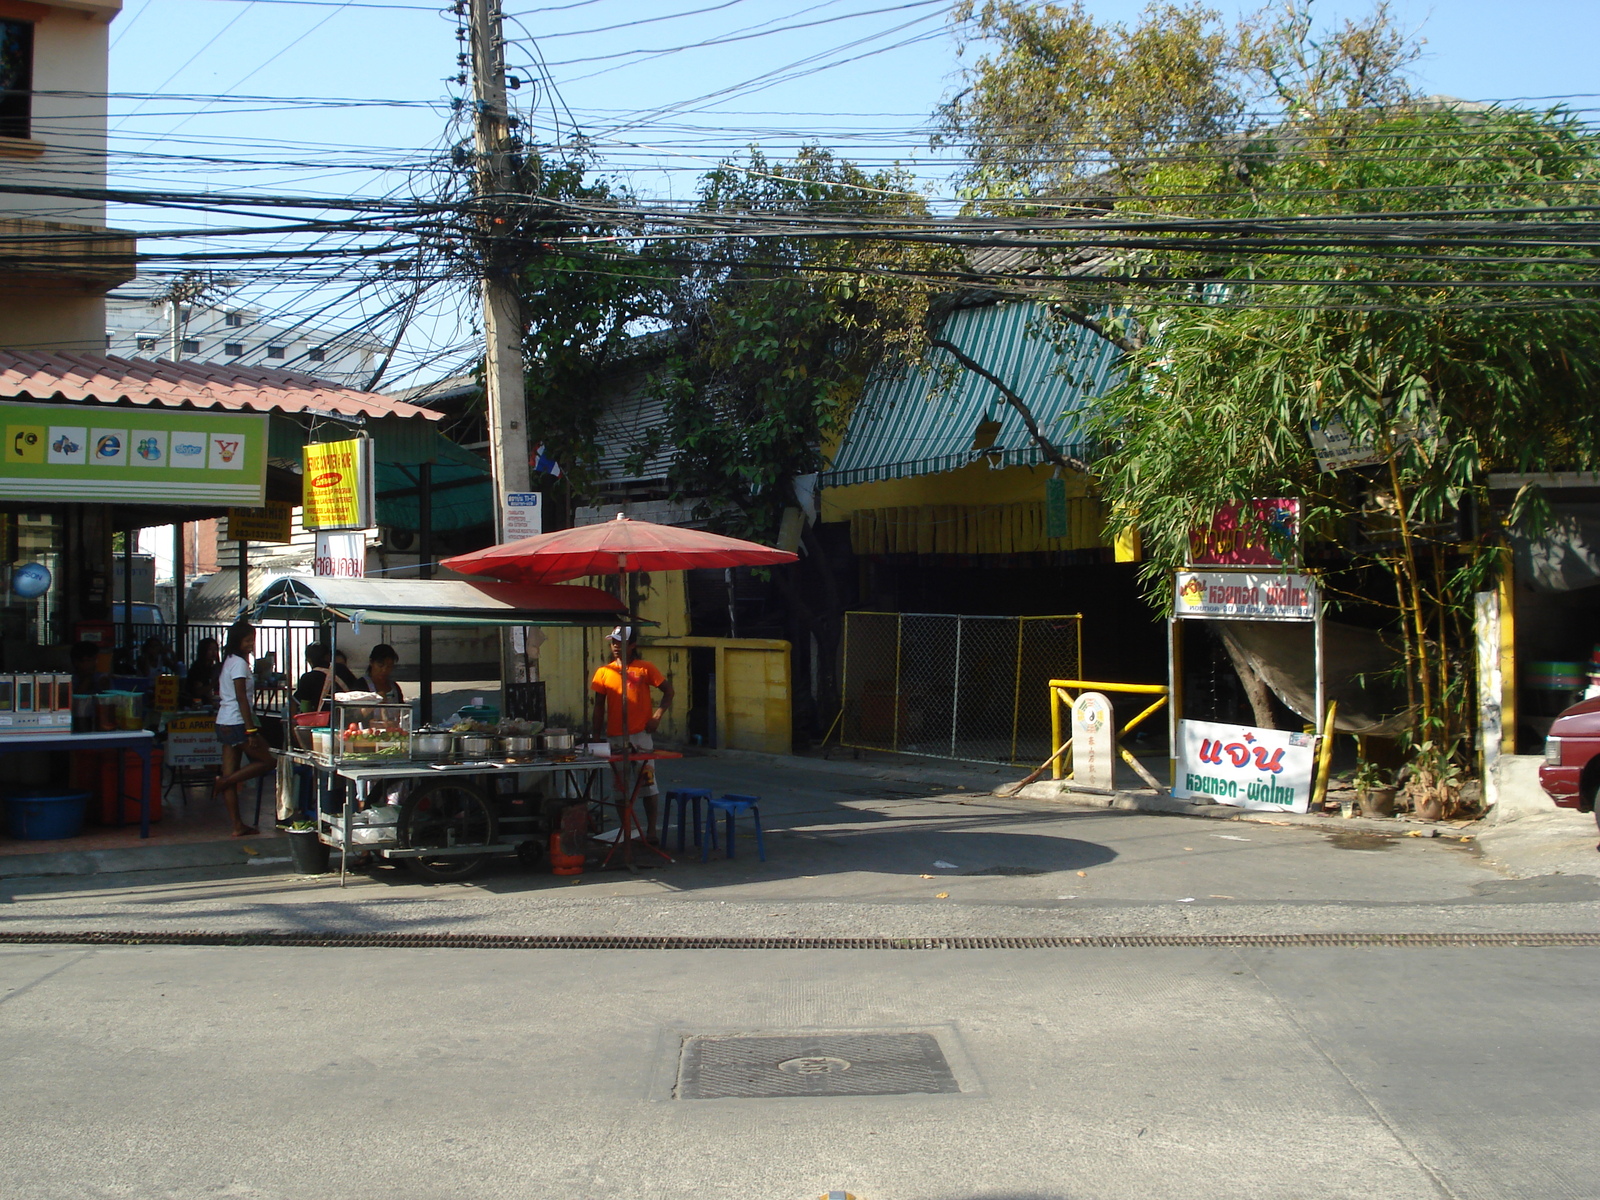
(1245, 596)
(80, 452)
(336, 487)
(1267, 770)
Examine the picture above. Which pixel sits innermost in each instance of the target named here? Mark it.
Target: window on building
(317, 353)
(149, 343)
(234, 320)
(16, 78)
(191, 346)
(233, 349)
(110, 338)
(274, 351)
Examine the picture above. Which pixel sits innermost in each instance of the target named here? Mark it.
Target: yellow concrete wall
(975, 484)
(569, 658)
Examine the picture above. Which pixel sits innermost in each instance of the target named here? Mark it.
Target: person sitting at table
(87, 679)
(642, 717)
(312, 690)
(203, 673)
(380, 674)
(344, 679)
(155, 659)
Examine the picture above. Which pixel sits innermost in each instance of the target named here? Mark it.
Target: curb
(1153, 802)
(230, 853)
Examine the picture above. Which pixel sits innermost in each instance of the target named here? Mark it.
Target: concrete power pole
(502, 317)
(505, 400)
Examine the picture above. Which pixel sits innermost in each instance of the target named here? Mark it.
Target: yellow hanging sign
(337, 485)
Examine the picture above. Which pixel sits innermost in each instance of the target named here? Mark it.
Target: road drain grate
(721, 1067)
(583, 941)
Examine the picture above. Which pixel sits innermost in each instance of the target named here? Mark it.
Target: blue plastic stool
(683, 798)
(731, 806)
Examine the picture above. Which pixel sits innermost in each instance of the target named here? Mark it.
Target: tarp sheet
(437, 602)
(1361, 671)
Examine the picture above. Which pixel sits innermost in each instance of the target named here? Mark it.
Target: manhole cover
(716, 1067)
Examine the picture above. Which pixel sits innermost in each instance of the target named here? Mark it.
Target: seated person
(313, 688)
(155, 659)
(380, 674)
(203, 673)
(344, 679)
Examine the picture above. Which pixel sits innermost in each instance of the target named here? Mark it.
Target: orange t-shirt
(642, 676)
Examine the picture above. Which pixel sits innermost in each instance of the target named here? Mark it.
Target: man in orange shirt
(643, 717)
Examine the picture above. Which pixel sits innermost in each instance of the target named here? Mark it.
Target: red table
(628, 826)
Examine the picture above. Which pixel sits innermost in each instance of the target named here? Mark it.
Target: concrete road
(1104, 1074)
(854, 854)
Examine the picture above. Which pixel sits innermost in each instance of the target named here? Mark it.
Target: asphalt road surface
(1465, 1071)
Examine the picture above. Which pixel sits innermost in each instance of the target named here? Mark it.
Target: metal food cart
(452, 815)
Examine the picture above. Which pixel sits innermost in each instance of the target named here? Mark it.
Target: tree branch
(1126, 344)
(1051, 453)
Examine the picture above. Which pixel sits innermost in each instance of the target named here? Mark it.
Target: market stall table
(627, 824)
(140, 741)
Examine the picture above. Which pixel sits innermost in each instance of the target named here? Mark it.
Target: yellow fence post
(1016, 691)
(1055, 732)
(894, 699)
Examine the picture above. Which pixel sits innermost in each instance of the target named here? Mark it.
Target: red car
(1571, 770)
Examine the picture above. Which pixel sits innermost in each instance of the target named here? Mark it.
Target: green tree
(1448, 329)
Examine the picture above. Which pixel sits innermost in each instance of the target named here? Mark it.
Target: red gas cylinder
(562, 863)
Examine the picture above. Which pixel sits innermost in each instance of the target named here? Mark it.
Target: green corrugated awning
(910, 424)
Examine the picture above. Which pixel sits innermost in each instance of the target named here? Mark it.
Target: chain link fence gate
(952, 686)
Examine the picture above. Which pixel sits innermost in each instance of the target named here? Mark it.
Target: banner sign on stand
(1264, 770)
(1252, 533)
(192, 741)
(341, 555)
(1245, 596)
(336, 489)
(80, 452)
(523, 517)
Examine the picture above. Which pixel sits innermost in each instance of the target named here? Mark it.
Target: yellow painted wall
(976, 484)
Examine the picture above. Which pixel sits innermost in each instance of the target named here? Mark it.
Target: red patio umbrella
(617, 547)
(612, 548)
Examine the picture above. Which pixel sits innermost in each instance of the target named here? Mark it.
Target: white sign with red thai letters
(1245, 596)
(1265, 770)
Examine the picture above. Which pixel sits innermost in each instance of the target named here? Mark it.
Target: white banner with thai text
(1265, 770)
(1245, 596)
(341, 555)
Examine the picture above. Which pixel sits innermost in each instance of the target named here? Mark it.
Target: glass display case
(367, 732)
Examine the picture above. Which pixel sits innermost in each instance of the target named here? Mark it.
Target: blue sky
(901, 63)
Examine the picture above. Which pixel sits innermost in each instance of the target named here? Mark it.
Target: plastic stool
(731, 806)
(683, 797)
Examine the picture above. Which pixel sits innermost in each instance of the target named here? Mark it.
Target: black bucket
(309, 854)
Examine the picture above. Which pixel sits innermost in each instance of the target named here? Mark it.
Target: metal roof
(106, 379)
(436, 602)
(917, 422)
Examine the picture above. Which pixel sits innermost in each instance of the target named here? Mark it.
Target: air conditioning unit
(399, 541)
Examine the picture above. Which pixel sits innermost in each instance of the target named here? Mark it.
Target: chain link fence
(953, 686)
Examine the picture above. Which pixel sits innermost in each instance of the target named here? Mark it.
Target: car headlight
(1552, 752)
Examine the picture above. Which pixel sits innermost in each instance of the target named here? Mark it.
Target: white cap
(623, 633)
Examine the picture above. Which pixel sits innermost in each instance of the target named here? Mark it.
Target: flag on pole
(540, 462)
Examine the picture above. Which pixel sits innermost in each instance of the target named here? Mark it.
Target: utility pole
(502, 315)
(505, 401)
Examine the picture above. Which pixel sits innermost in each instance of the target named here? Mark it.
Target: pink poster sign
(1251, 533)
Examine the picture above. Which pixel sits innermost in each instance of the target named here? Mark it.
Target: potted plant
(1374, 789)
(306, 848)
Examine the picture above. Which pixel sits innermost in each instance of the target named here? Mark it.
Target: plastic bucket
(309, 854)
(42, 816)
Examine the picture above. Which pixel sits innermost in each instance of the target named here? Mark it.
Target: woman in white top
(237, 728)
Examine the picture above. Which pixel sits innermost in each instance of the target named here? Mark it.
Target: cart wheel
(446, 813)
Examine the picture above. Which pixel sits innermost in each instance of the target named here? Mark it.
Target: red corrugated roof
(111, 380)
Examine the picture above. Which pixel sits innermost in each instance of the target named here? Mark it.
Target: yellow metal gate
(954, 686)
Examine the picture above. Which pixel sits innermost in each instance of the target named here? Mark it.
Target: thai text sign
(1245, 596)
(79, 452)
(341, 555)
(192, 741)
(336, 490)
(1266, 770)
(1252, 533)
(273, 522)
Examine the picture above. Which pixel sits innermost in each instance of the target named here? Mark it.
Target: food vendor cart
(443, 806)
